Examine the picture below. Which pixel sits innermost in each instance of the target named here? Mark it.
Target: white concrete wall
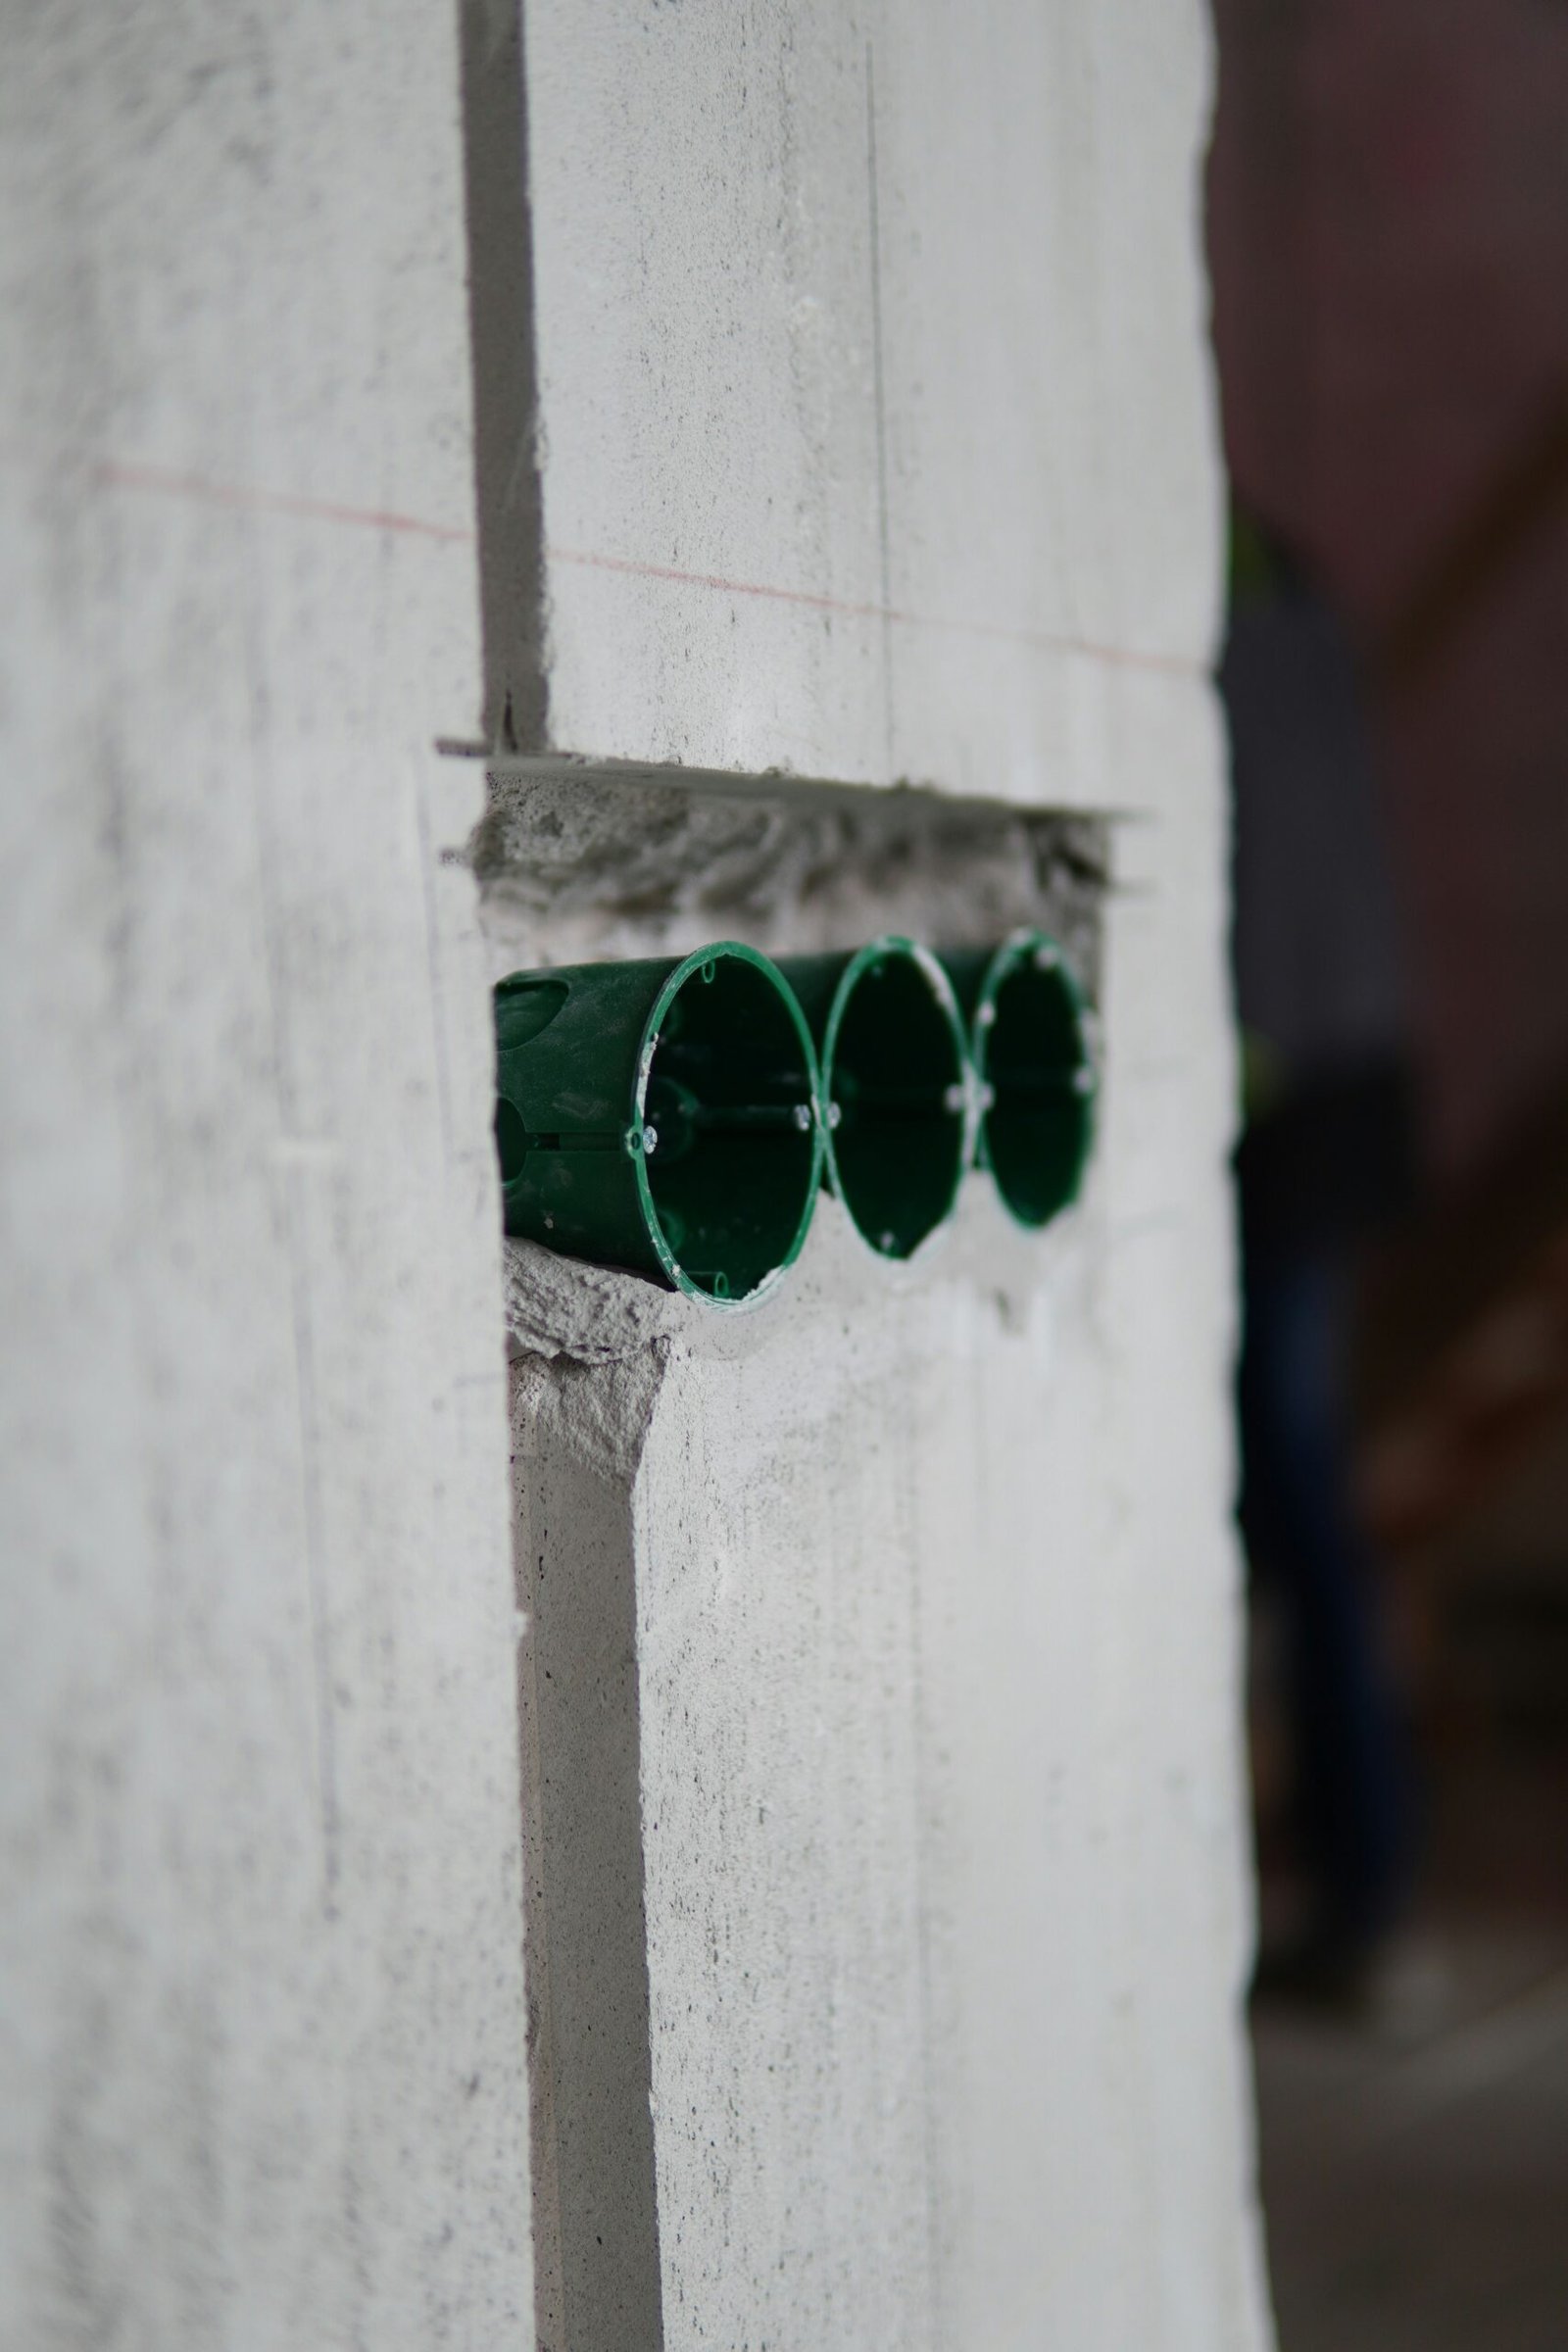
(882, 1681)
(261, 2078)
(937, 507)
(897, 1838)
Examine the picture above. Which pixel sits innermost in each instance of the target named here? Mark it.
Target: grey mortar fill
(580, 865)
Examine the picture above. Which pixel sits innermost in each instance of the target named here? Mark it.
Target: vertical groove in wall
(549, 2298)
(597, 2284)
(879, 393)
(506, 396)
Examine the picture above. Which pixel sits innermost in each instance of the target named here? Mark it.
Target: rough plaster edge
(576, 864)
(561, 1307)
(567, 1312)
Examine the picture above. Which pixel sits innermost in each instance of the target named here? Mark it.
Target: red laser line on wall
(116, 473)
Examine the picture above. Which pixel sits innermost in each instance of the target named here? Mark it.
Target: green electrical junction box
(677, 1117)
(1032, 1049)
(662, 1117)
(898, 1099)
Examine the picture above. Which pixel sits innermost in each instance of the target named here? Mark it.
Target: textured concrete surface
(922, 1691)
(885, 1882)
(875, 442)
(890, 1840)
(874, 410)
(262, 2020)
(576, 864)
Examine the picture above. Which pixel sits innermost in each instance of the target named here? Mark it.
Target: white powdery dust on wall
(261, 2002)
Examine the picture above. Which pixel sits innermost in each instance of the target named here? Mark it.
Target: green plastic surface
(896, 1083)
(661, 1117)
(1030, 1042)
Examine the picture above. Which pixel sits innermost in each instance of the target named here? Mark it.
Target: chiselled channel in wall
(670, 1101)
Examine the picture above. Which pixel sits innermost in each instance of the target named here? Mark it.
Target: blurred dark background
(1388, 230)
